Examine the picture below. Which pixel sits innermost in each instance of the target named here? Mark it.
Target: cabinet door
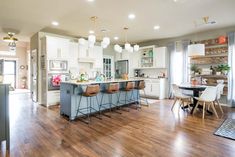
(134, 63)
(98, 56)
(73, 55)
(155, 91)
(148, 89)
(51, 47)
(125, 55)
(160, 57)
(63, 48)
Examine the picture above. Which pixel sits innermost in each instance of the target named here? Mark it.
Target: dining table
(196, 93)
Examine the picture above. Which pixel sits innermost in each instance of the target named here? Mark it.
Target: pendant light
(196, 50)
(92, 37)
(127, 46)
(106, 40)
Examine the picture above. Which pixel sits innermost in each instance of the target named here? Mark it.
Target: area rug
(227, 129)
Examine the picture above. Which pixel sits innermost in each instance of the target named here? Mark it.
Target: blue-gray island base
(70, 93)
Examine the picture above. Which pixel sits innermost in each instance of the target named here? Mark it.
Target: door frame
(17, 69)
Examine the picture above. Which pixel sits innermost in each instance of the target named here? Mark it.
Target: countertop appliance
(58, 66)
(121, 67)
(54, 80)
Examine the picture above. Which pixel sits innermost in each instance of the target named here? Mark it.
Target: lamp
(127, 46)
(10, 38)
(196, 50)
(90, 42)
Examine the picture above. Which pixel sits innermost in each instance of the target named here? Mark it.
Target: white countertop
(98, 82)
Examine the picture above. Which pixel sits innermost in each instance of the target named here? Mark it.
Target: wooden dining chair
(179, 96)
(207, 97)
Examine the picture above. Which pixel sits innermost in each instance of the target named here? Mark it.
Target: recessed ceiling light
(90, 0)
(55, 23)
(115, 38)
(131, 16)
(175, 0)
(91, 31)
(156, 27)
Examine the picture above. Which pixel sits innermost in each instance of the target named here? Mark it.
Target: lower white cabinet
(155, 88)
(53, 97)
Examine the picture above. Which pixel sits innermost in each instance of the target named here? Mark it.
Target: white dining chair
(207, 97)
(179, 96)
(220, 89)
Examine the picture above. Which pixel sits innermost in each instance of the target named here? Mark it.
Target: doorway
(9, 72)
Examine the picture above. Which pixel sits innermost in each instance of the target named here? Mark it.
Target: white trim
(17, 69)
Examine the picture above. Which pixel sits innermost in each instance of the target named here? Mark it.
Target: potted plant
(222, 69)
(194, 69)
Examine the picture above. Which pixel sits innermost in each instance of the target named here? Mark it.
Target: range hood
(86, 60)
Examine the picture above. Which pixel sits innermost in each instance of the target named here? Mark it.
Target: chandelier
(11, 40)
(92, 38)
(127, 46)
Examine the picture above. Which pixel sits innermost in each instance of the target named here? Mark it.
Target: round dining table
(196, 91)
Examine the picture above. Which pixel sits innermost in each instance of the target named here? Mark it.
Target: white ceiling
(175, 18)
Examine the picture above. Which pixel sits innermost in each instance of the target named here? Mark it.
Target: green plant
(194, 68)
(223, 68)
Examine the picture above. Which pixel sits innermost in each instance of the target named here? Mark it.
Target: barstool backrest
(92, 90)
(141, 85)
(113, 87)
(130, 85)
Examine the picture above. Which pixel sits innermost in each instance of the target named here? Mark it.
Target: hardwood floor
(153, 131)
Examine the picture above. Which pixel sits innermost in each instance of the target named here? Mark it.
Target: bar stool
(130, 86)
(141, 86)
(91, 92)
(113, 88)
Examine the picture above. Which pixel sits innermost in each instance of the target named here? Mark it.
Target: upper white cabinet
(160, 57)
(73, 55)
(123, 56)
(56, 48)
(97, 54)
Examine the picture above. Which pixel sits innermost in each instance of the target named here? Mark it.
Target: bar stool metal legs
(91, 92)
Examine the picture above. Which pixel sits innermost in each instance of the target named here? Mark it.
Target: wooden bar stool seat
(130, 87)
(141, 86)
(113, 88)
(91, 92)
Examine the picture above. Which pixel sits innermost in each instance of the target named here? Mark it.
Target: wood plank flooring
(153, 131)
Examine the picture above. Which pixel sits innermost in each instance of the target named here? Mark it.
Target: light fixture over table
(196, 50)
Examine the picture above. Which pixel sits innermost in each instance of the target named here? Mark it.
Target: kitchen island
(70, 93)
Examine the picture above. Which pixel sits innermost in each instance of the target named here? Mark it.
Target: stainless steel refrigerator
(121, 67)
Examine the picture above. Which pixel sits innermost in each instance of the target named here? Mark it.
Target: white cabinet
(155, 88)
(53, 98)
(56, 48)
(123, 56)
(160, 57)
(73, 55)
(97, 55)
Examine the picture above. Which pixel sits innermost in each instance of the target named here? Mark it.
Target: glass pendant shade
(104, 45)
(127, 46)
(196, 50)
(136, 47)
(91, 39)
(106, 41)
(82, 41)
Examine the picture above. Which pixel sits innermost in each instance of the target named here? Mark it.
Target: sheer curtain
(178, 63)
(231, 62)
